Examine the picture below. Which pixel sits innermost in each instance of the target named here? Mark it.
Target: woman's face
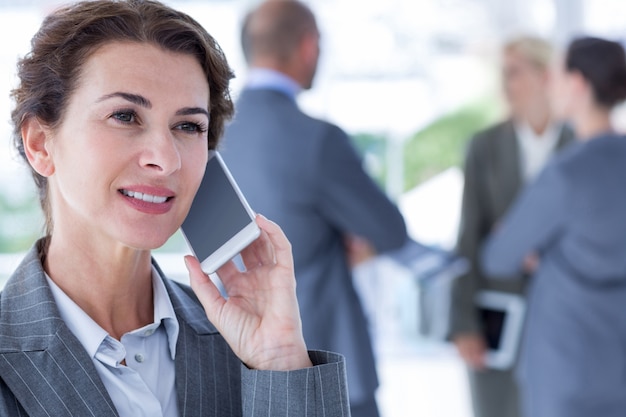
(561, 91)
(524, 84)
(131, 150)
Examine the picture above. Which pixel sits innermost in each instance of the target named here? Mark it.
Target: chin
(308, 84)
(559, 112)
(145, 246)
(148, 241)
(148, 234)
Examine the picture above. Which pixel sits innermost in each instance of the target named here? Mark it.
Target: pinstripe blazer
(44, 370)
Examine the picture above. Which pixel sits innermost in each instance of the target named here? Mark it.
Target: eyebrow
(133, 98)
(144, 102)
(192, 110)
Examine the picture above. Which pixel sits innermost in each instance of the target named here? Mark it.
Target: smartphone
(502, 315)
(220, 223)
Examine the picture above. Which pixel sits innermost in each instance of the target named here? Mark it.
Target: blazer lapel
(566, 137)
(509, 178)
(41, 361)
(201, 356)
(193, 398)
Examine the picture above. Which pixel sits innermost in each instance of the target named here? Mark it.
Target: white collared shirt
(262, 78)
(145, 386)
(535, 150)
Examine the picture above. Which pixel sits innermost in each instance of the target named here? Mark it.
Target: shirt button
(149, 332)
(139, 357)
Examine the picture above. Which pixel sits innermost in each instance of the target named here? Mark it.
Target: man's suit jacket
(45, 371)
(304, 174)
(493, 179)
(573, 357)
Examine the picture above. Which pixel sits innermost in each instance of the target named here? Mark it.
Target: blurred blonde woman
(500, 162)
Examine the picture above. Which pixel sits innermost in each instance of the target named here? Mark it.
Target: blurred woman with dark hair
(570, 229)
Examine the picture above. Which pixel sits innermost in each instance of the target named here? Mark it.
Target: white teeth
(145, 197)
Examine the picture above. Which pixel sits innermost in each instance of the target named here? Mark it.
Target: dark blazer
(493, 179)
(573, 357)
(45, 371)
(304, 174)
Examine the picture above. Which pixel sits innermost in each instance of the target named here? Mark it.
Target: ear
(36, 138)
(309, 48)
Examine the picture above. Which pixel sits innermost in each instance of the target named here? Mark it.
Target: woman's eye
(191, 127)
(124, 116)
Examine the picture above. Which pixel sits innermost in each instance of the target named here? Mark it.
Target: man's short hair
(275, 28)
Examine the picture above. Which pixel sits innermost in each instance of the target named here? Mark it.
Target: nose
(161, 153)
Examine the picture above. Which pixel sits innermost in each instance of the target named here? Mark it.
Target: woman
(117, 106)
(500, 161)
(572, 359)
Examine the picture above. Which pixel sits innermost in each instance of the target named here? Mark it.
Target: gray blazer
(44, 370)
(304, 174)
(573, 357)
(493, 178)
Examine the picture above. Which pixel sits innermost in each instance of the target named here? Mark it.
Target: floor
(423, 383)
(420, 374)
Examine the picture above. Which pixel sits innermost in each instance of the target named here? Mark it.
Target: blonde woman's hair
(536, 50)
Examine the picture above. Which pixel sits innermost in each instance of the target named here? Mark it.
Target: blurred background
(411, 81)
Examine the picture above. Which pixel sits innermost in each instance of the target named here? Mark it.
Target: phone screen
(493, 322)
(217, 213)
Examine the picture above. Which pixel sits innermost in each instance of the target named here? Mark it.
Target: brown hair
(275, 28)
(48, 74)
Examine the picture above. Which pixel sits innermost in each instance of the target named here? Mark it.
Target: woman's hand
(260, 319)
(472, 348)
(531, 263)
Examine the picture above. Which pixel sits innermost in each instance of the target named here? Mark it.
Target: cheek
(194, 161)
(559, 99)
(515, 88)
(529, 86)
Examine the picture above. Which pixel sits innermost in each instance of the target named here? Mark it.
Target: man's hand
(260, 319)
(358, 250)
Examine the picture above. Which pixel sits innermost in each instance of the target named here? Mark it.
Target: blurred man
(499, 162)
(304, 174)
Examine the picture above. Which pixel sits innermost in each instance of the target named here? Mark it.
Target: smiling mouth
(145, 197)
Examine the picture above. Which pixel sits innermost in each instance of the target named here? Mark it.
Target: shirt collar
(91, 335)
(164, 311)
(547, 138)
(265, 78)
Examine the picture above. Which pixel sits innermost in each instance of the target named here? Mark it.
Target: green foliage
(373, 149)
(441, 144)
(21, 223)
(435, 148)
